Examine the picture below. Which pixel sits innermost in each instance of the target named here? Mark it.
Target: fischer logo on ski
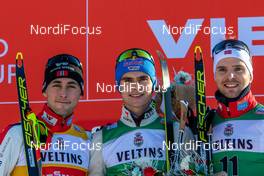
(27, 120)
(200, 95)
(204, 114)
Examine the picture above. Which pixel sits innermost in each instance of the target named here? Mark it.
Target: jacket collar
(235, 107)
(53, 121)
(147, 117)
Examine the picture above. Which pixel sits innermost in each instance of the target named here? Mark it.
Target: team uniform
(65, 153)
(135, 145)
(238, 136)
(128, 148)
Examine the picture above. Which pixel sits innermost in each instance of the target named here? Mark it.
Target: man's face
(231, 77)
(138, 89)
(63, 95)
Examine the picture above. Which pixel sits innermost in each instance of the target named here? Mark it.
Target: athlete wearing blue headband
(128, 144)
(135, 60)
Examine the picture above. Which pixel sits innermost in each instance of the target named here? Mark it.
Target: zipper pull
(228, 111)
(63, 122)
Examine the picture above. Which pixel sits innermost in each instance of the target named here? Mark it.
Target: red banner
(96, 31)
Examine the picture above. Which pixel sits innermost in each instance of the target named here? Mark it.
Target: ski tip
(19, 56)
(197, 48)
(19, 60)
(195, 53)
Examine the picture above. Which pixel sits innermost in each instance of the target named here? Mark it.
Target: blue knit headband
(136, 65)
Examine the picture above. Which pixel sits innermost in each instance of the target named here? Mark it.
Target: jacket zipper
(228, 111)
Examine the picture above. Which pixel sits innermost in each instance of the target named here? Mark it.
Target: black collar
(223, 99)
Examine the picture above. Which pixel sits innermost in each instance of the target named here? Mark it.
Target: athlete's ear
(44, 94)
(251, 78)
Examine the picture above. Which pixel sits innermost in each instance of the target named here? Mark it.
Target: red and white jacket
(66, 152)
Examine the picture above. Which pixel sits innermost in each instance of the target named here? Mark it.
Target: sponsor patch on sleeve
(111, 126)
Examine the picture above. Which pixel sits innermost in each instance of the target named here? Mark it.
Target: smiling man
(132, 145)
(62, 87)
(239, 122)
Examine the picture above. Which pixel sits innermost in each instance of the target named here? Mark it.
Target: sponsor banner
(228, 136)
(139, 145)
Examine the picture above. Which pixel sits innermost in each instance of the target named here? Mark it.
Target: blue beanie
(136, 64)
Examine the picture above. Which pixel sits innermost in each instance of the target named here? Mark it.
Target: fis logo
(138, 139)
(228, 130)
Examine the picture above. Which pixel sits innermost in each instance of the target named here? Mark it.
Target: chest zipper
(228, 111)
(62, 123)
